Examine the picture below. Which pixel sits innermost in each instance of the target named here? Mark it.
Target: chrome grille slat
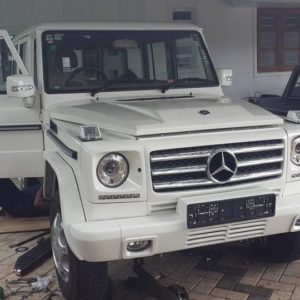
(240, 150)
(206, 182)
(206, 153)
(179, 170)
(255, 162)
(186, 168)
(180, 156)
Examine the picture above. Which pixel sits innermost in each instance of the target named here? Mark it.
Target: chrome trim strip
(205, 153)
(179, 170)
(256, 175)
(240, 150)
(205, 182)
(180, 155)
(65, 149)
(26, 127)
(254, 162)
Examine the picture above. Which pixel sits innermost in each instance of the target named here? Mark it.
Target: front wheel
(279, 248)
(78, 280)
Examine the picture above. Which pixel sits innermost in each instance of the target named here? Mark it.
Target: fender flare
(70, 201)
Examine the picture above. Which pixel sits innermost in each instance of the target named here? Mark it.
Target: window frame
(280, 14)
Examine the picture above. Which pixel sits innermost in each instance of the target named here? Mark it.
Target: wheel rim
(60, 248)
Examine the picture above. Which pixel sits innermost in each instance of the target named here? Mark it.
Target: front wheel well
(50, 182)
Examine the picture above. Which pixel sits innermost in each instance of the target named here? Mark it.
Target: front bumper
(108, 240)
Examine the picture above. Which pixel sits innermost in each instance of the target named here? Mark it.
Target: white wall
(229, 30)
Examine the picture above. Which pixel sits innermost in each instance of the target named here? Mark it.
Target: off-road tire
(87, 280)
(278, 248)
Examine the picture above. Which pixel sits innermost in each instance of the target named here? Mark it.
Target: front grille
(186, 168)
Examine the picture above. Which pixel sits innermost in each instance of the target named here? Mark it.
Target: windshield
(83, 61)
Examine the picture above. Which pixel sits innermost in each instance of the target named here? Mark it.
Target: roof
(108, 26)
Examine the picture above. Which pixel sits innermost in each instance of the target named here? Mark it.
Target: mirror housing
(20, 86)
(225, 77)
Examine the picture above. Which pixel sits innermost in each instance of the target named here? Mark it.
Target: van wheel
(278, 248)
(78, 280)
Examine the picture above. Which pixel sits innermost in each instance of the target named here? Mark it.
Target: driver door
(21, 139)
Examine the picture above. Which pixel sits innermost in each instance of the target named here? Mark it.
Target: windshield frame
(130, 86)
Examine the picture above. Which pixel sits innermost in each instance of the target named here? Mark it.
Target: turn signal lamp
(90, 133)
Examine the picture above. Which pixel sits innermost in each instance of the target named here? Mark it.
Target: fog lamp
(138, 246)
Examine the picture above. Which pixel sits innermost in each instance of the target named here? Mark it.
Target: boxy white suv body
(140, 151)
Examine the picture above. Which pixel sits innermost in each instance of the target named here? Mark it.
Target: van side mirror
(225, 77)
(20, 86)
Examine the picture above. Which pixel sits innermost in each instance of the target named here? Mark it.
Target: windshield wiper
(105, 86)
(187, 80)
(110, 83)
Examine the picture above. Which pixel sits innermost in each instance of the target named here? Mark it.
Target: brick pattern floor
(228, 272)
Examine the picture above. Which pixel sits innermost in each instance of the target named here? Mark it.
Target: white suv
(140, 151)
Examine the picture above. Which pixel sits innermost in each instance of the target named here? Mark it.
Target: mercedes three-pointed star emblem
(221, 166)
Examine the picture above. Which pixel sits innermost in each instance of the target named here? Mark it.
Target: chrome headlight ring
(295, 151)
(112, 170)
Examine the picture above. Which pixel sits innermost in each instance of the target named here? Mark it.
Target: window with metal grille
(278, 39)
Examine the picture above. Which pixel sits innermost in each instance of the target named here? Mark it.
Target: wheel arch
(59, 176)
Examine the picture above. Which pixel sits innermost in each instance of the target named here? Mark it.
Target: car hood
(141, 117)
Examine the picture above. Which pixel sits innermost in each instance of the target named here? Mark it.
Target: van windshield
(83, 61)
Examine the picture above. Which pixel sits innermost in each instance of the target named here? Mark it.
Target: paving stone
(229, 294)
(251, 277)
(195, 276)
(258, 297)
(296, 294)
(281, 295)
(286, 287)
(188, 285)
(274, 272)
(205, 286)
(195, 296)
(292, 269)
(228, 282)
(254, 290)
(290, 279)
(227, 260)
(210, 274)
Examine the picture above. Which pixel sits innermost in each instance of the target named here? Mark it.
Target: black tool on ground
(33, 257)
(146, 283)
(29, 239)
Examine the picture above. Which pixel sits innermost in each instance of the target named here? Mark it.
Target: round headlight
(295, 151)
(112, 170)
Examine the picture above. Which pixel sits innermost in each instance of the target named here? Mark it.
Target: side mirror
(225, 77)
(20, 86)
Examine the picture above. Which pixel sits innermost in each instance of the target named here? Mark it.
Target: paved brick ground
(226, 272)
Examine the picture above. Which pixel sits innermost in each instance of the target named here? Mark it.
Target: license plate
(229, 211)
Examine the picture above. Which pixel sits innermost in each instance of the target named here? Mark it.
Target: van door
(21, 139)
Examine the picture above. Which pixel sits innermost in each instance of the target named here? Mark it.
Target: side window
(7, 65)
